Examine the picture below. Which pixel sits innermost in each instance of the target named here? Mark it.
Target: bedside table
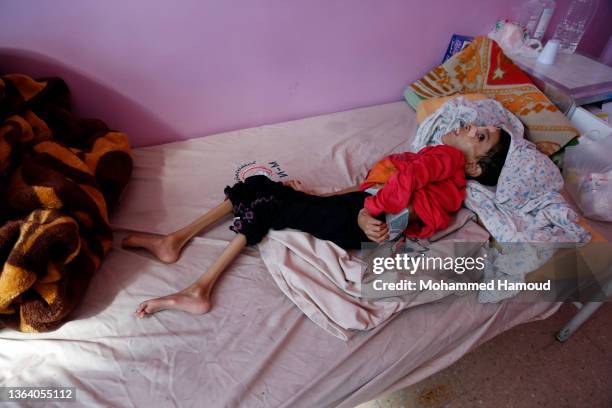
(573, 80)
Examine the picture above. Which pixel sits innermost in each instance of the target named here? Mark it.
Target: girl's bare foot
(189, 300)
(165, 248)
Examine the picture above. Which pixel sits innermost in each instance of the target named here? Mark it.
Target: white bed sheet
(255, 348)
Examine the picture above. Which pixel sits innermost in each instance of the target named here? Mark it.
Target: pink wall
(163, 70)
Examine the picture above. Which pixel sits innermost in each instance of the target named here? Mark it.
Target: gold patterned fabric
(482, 67)
(59, 177)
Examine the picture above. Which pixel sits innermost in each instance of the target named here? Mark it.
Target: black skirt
(260, 204)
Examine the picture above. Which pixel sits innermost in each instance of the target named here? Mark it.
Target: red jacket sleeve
(431, 164)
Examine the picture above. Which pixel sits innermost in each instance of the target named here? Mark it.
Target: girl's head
(485, 149)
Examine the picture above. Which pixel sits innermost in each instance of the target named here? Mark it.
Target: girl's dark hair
(493, 162)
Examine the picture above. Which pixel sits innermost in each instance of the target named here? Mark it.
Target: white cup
(548, 54)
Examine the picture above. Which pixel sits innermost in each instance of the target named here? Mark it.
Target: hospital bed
(254, 348)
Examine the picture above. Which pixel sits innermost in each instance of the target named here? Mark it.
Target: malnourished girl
(427, 187)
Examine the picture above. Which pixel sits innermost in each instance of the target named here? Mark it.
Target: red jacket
(432, 180)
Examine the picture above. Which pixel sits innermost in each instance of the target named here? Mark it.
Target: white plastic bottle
(535, 16)
(548, 8)
(570, 30)
(530, 15)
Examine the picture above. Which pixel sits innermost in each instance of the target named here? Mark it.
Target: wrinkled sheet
(255, 348)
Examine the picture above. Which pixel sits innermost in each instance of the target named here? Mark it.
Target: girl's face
(474, 141)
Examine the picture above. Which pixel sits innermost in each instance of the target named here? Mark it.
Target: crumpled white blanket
(525, 207)
(333, 288)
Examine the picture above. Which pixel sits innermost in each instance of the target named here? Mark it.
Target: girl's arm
(297, 185)
(344, 191)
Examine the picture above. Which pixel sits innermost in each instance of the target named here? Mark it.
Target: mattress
(254, 348)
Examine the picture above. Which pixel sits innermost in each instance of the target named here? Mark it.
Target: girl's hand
(294, 184)
(374, 229)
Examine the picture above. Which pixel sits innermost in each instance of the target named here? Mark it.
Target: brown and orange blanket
(59, 178)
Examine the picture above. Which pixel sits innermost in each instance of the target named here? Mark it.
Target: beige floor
(524, 367)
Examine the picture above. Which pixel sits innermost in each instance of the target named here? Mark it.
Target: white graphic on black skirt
(271, 170)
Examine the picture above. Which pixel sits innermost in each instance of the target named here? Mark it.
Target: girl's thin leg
(195, 299)
(167, 248)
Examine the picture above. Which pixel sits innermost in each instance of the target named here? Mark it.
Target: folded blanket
(59, 177)
(333, 287)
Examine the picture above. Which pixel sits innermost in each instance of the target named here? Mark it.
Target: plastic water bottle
(570, 30)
